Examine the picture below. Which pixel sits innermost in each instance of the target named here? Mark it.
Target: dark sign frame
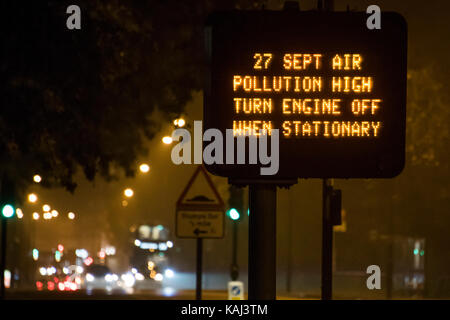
(232, 38)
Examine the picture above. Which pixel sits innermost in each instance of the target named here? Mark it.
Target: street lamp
(179, 122)
(167, 140)
(144, 168)
(37, 178)
(46, 208)
(71, 215)
(32, 197)
(128, 192)
(19, 213)
(7, 205)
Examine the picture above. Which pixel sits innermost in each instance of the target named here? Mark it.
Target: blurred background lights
(179, 122)
(35, 254)
(43, 271)
(128, 192)
(81, 253)
(19, 213)
(32, 197)
(46, 208)
(8, 211)
(35, 216)
(37, 178)
(234, 214)
(139, 276)
(144, 168)
(167, 140)
(54, 213)
(169, 273)
(71, 215)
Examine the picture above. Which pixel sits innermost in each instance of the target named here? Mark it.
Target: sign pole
(198, 287)
(262, 242)
(234, 265)
(327, 241)
(3, 258)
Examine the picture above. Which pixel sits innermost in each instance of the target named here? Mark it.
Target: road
(141, 295)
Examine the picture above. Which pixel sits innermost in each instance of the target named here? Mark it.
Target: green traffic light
(35, 254)
(8, 211)
(233, 214)
(58, 256)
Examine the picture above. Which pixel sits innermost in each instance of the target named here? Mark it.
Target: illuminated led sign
(335, 90)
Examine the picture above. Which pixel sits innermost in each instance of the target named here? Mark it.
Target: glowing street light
(179, 122)
(144, 168)
(37, 178)
(128, 192)
(35, 216)
(167, 140)
(55, 213)
(32, 197)
(71, 215)
(19, 213)
(46, 208)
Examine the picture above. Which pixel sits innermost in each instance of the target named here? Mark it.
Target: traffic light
(7, 210)
(35, 253)
(7, 198)
(235, 203)
(233, 214)
(57, 256)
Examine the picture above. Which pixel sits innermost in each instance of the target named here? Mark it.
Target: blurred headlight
(89, 277)
(109, 277)
(139, 276)
(128, 279)
(169, 273)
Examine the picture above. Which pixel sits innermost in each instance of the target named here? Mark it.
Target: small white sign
(235, 290)
(201, 224)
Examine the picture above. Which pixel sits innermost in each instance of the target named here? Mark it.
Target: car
(99, 278)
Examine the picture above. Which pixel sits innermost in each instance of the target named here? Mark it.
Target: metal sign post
(198, 286)
(199, 218)
(327, 241)
(262, 242)
(331, 216)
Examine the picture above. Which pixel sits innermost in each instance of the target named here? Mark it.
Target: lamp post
(7, 211)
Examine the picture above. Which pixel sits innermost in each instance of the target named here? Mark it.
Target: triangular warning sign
(200, 196)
